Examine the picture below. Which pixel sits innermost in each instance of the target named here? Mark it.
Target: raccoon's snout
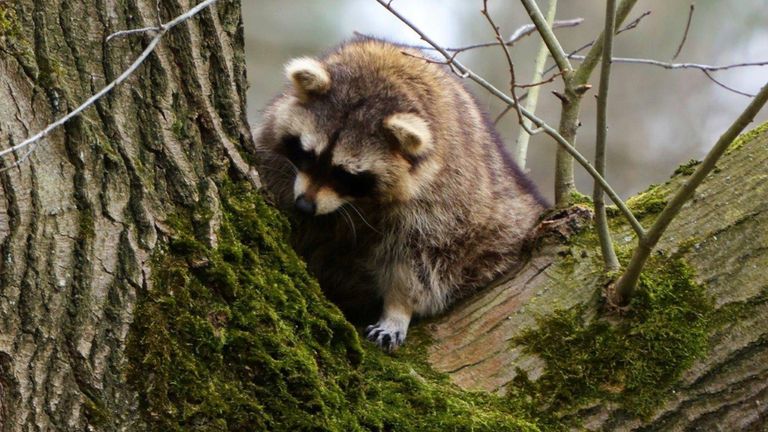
(304, 205)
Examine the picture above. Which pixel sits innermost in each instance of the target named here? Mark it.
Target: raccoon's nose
(305, 206)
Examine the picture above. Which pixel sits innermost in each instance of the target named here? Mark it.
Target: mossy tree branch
(543, 335)
(627, 283)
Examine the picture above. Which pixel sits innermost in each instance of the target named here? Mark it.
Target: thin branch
(523, 31)
(448, 62)
(523, 138)
(665, 65)
(547, 35)
(634, 23)
(501, 115)
(508, 56)
(731, 89)
(161, 31)
(706, 69)
(598, 197)
(20, 160)
(685, 34)
(549, 130)
(593, 56)
(540, 81)
(630, 26)
(122, 33)
(627, 283)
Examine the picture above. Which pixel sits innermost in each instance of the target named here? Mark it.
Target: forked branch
(625, 287)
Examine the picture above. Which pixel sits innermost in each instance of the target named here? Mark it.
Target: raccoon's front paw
(387, 334)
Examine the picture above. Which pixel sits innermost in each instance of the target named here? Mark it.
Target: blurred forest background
(658, 118)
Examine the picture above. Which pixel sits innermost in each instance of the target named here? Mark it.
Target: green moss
(687, 168)
(12, 40)
(633, 361)
(9, 23)
(96, 413)
(239, 337)
(580, 198)
(650, 202)
(747, 137)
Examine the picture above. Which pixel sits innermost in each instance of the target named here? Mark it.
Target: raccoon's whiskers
(363, 218)
(348, 218)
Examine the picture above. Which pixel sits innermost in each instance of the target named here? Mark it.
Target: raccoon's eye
(296, 153)
(353, 184)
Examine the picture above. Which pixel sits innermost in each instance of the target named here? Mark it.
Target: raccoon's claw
(387, 338)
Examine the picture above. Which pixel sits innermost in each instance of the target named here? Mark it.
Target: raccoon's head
(352, 137)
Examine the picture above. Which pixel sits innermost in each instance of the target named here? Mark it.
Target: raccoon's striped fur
(406, 192)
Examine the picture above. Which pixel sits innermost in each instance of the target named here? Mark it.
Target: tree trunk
(144, 285)
(82, 217)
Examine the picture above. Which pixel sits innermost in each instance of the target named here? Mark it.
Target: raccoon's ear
(411, 131)
(309, 76)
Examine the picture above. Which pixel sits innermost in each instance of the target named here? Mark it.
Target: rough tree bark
(83, 218)
(722, 233)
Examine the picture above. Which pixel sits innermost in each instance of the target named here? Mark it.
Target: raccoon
(400, 187)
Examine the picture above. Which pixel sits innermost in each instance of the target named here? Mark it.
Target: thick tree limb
(627, 283)
(721, 233)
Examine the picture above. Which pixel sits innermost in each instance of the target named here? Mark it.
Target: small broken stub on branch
(561, 225)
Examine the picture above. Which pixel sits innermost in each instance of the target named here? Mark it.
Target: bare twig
(665, 65)
(20, 160)
(634, 23)
(549, 130)
(503, 112)
(540, 81)
(161, 31)
(627, 283)
(705, 69)
(448, 62)
(547, 35)
(523, 31)
(630, 26)
(598, 197)
(685, 34)
(508, 56)
(731, 89)
(523, 138)
(122, 33)
(593, 56)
